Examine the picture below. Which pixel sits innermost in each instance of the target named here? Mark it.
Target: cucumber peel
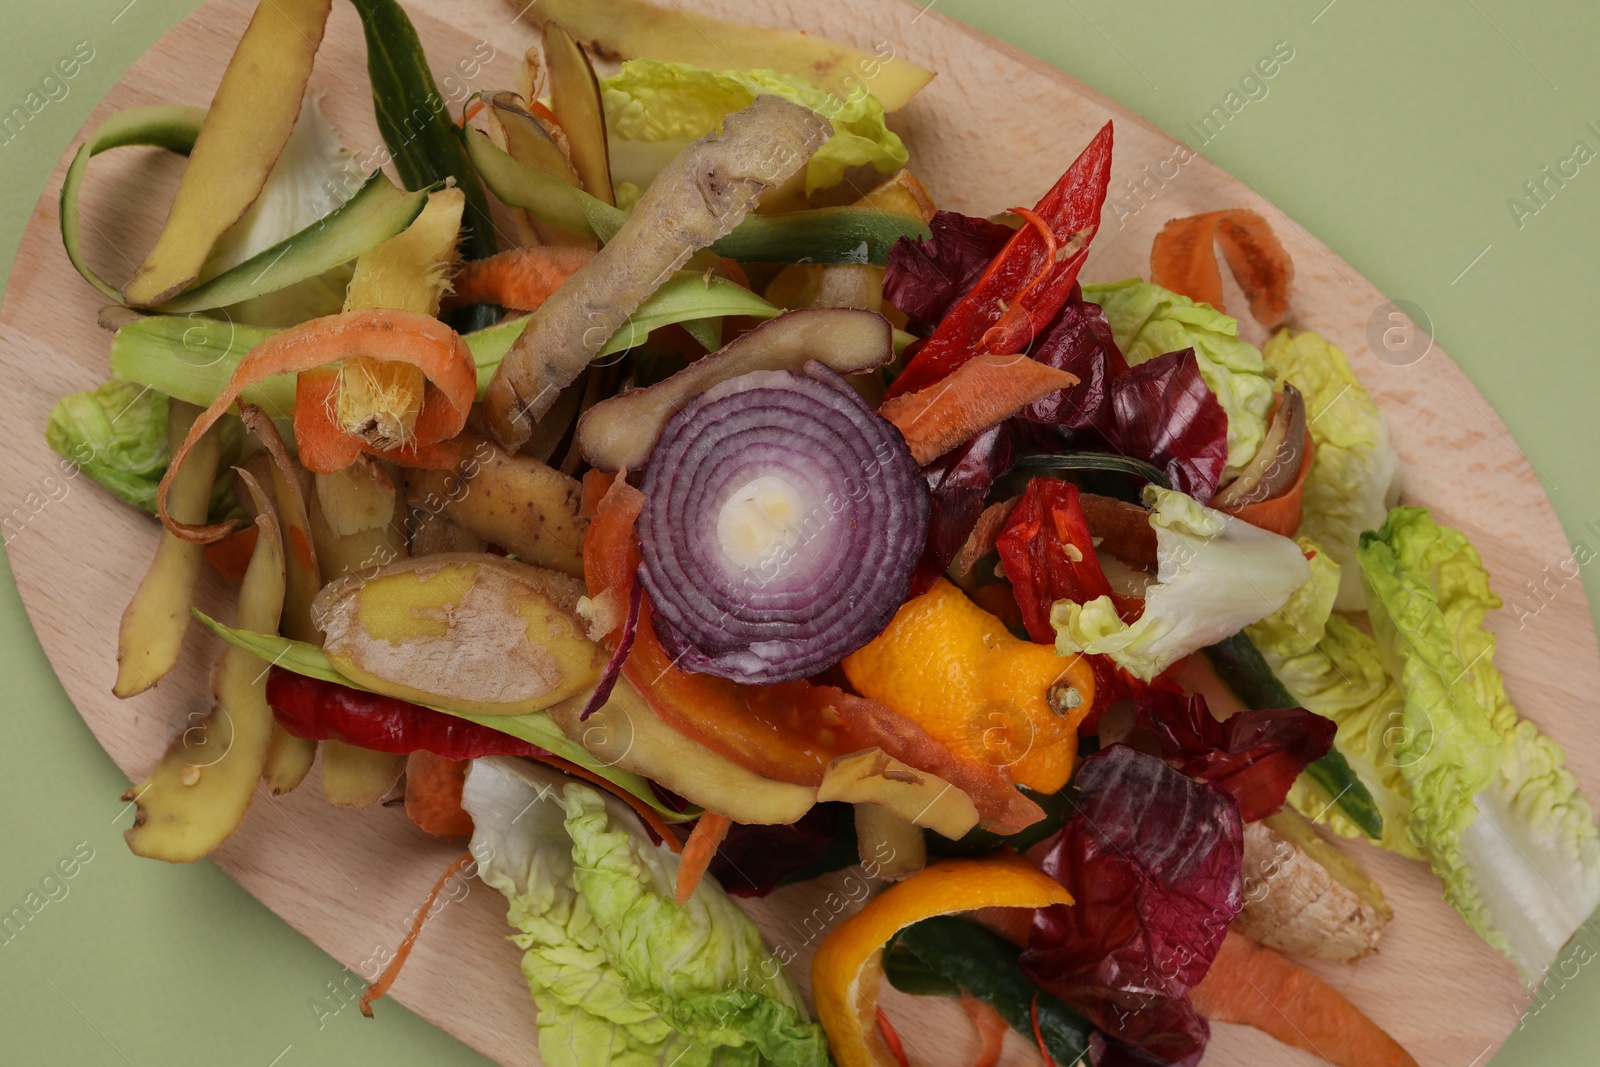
(376, 213)
(1240, 665)
(821, 235)
(172, 128)
(191, 357)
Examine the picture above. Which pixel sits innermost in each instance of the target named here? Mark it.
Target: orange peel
(849, 964)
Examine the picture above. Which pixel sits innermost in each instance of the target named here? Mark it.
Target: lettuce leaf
(621, 973)
(1498, 817)
(1215, 575)
(667, 105)
(117, 435)
(1149, 321)
(1355, 473)
(1332, 668)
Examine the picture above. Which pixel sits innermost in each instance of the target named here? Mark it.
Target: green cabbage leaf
(622, 974)
(655, 109)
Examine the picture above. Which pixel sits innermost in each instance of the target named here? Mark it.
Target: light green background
(1396, 135)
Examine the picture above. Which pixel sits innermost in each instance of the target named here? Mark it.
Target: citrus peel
(849, 963)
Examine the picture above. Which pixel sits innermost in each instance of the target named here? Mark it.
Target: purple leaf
(1165, 414)
(958, 482)
(923, 278)
(1254, 756)
(1152, 859)
(1079, 341)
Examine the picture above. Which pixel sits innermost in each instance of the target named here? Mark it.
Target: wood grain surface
(351, 879)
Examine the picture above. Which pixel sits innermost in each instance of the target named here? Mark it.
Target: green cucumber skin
(820, 235)
(424, 144)
(967, 956)
(1240, 665)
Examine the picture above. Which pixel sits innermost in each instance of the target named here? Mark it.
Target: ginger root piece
(697, 199)
(1304, 897)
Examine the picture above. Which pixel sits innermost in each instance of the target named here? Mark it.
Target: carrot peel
(983, 392)
(709, 832)
(433, 794)
(1280, 515)
(520, 278)
(891, 1038)
(1257, 987)
(1182, 259)
(386, 979)
(380, 334)
(991, 1028)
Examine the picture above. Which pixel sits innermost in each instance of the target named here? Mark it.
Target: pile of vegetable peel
(751, 519)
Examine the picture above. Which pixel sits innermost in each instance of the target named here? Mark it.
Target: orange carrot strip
(1182, 259)
(390, 973)
(1281, 515)
(596, 484)
(983, 392)
(709, 831)
(433, 794)
(991, 1029)
(1259, 263)
(1257, 987)
(520, 278)
(382, 334)
(470, 111)
(651, 816)
(230, 556)
(891, 1037)
(323, 443)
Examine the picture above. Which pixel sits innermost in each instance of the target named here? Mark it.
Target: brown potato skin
(511, 500)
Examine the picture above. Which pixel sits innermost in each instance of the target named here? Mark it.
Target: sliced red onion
(619, 655)
(782, 520)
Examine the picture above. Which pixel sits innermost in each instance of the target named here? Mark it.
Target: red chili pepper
(1048, 554)
(1028, 281)
(326, 711)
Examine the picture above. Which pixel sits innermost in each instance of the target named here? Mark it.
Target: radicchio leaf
(1152, 859)
(958, 482)
(923, 278)
(1255, 756)
(1079, 341)
(1166, 414)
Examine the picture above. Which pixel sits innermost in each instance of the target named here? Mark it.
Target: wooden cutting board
(350, 880)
